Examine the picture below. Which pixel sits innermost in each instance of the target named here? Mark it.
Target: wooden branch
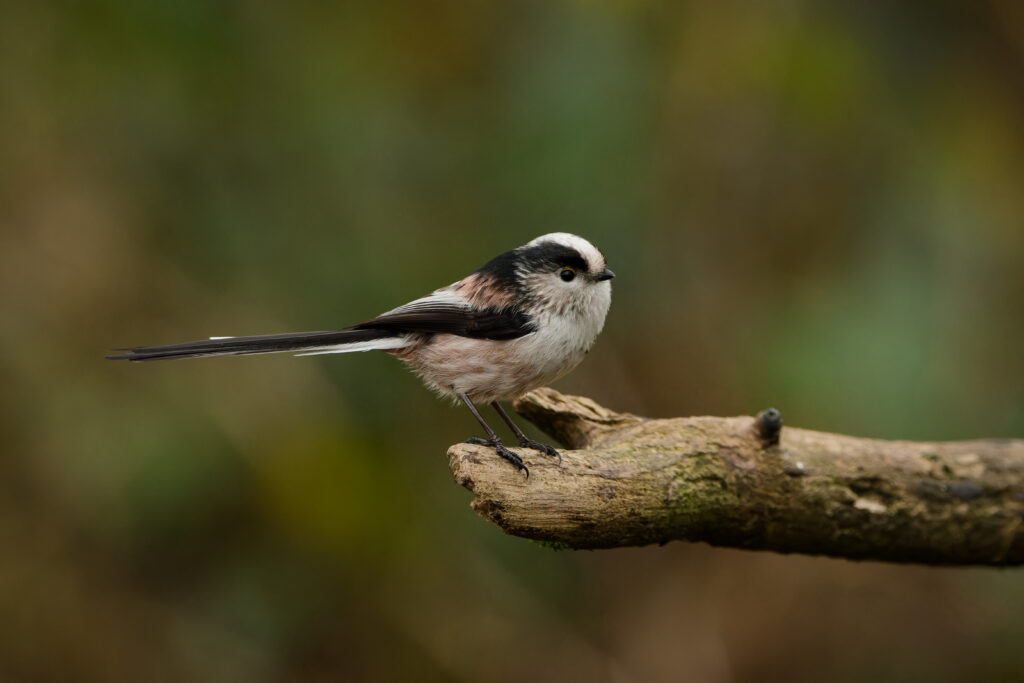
(745, 482)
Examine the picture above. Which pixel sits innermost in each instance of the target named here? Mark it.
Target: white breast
(488, 370)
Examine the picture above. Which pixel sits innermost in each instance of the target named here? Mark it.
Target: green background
(817, 206)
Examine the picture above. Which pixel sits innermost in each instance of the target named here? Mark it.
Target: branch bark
(745, 482)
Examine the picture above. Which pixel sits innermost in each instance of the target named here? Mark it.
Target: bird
(522, 320)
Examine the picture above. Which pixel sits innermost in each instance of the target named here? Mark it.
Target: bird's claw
(542, 447)
(502, 451)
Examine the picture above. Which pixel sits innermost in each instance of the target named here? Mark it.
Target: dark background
(811, 205)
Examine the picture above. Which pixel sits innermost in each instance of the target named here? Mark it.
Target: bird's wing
(447, 312)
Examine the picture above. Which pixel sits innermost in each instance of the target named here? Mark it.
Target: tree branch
(748, 483)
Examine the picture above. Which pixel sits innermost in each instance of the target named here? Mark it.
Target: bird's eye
(567, 274)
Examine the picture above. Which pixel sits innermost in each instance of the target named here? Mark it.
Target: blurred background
(817, 206)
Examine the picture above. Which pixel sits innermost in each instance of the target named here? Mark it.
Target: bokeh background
(813, 205)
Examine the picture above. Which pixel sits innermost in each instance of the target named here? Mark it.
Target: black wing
(436, 315)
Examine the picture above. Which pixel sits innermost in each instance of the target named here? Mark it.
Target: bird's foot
(502, 451)
(525, 442)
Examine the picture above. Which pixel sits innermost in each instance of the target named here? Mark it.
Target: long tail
(306, 343)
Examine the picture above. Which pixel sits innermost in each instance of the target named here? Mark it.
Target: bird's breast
(491, 370)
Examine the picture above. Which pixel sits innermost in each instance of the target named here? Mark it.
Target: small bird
(520, 321)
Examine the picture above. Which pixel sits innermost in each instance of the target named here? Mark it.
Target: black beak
(605, 275)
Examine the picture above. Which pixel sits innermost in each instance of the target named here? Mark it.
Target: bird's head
(565, 274)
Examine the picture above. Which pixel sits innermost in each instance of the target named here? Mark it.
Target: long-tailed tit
(523, 319)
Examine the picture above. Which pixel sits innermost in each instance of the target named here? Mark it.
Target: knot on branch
(768, 425)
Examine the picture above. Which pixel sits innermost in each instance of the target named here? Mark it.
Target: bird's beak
(605, 275)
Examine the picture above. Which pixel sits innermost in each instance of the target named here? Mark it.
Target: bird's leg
(525, 441)
(492, 439)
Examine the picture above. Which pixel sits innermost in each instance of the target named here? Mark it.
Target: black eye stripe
(553, 256)
(507, 270)
(575, 262)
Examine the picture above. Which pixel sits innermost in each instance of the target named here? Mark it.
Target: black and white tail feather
(520, 321)
(443, 312)
(312, 342)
